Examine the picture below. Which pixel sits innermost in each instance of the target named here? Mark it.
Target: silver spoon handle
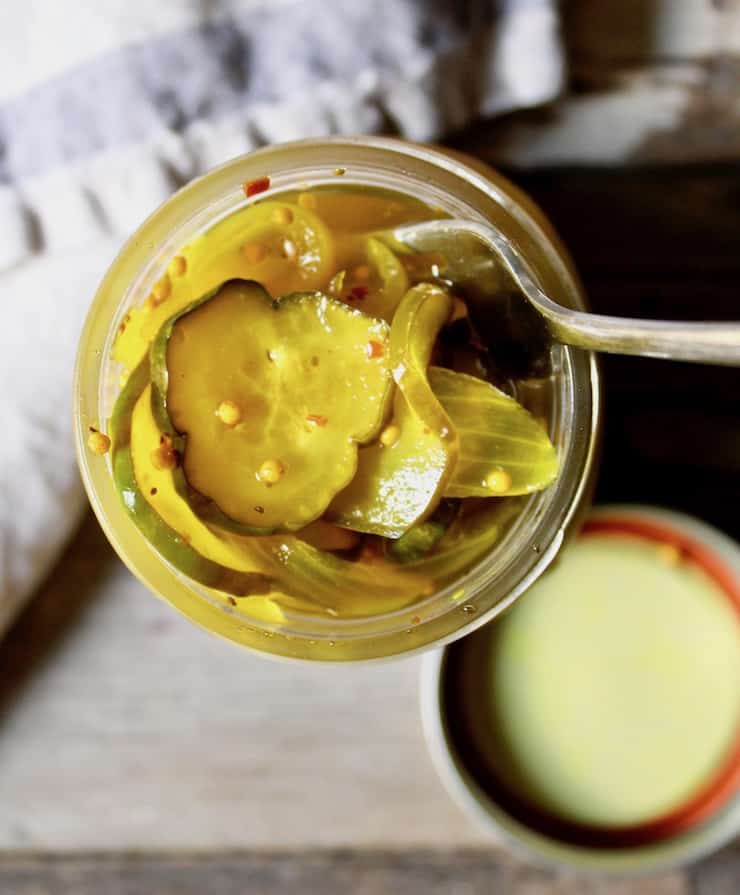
(710, 343)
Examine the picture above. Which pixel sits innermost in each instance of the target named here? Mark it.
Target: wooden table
(141, 755)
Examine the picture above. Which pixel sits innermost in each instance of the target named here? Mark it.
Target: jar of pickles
(307, 438)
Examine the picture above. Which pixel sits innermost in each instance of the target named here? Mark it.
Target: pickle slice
(119, 424)
(165, 495)
(372, 278)
(358, 211)
(399, 483)
(172, 541)
(288, 572)
(173, 547)
(305, 379)
(503, 449)
(284, 247)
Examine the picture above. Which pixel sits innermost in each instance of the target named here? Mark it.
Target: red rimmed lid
(725, 783)
(516, 665)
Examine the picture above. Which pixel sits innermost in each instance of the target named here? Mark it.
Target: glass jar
(462, 187)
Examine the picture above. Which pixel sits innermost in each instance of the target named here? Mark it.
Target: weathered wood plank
(438, 872)
(122, 726)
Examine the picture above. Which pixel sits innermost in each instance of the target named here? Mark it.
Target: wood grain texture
(415, 872)
(122, 726)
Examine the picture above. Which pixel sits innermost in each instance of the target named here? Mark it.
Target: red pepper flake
(258, 185)
(259, 510)
(232, 601)
(317, 419)
(153, 492)
(359, 292)
(415, 620)
(374, 349)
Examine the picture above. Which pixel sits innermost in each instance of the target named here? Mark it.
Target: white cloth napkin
(120, 101)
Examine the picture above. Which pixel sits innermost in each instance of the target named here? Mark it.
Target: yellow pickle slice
(164, 494)
(371, 277)
(284, 247)
(270, 399)
(169, 528)
(401, 478)
(287, 572)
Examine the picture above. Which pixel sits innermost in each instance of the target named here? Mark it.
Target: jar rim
(368, 161)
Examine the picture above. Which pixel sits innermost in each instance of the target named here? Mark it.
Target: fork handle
(708, 343)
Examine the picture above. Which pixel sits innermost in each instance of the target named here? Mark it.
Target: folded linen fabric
(107, 107)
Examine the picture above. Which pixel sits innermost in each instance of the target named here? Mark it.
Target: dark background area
(659, 242)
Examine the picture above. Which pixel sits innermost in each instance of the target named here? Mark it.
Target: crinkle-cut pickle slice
(394, 486)
(503, 449)
(174, 548)
(309, 379)
(290, 574)
(164, 493)
(371, 277)
(284, 247)
(172, 541)
(398, 483)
